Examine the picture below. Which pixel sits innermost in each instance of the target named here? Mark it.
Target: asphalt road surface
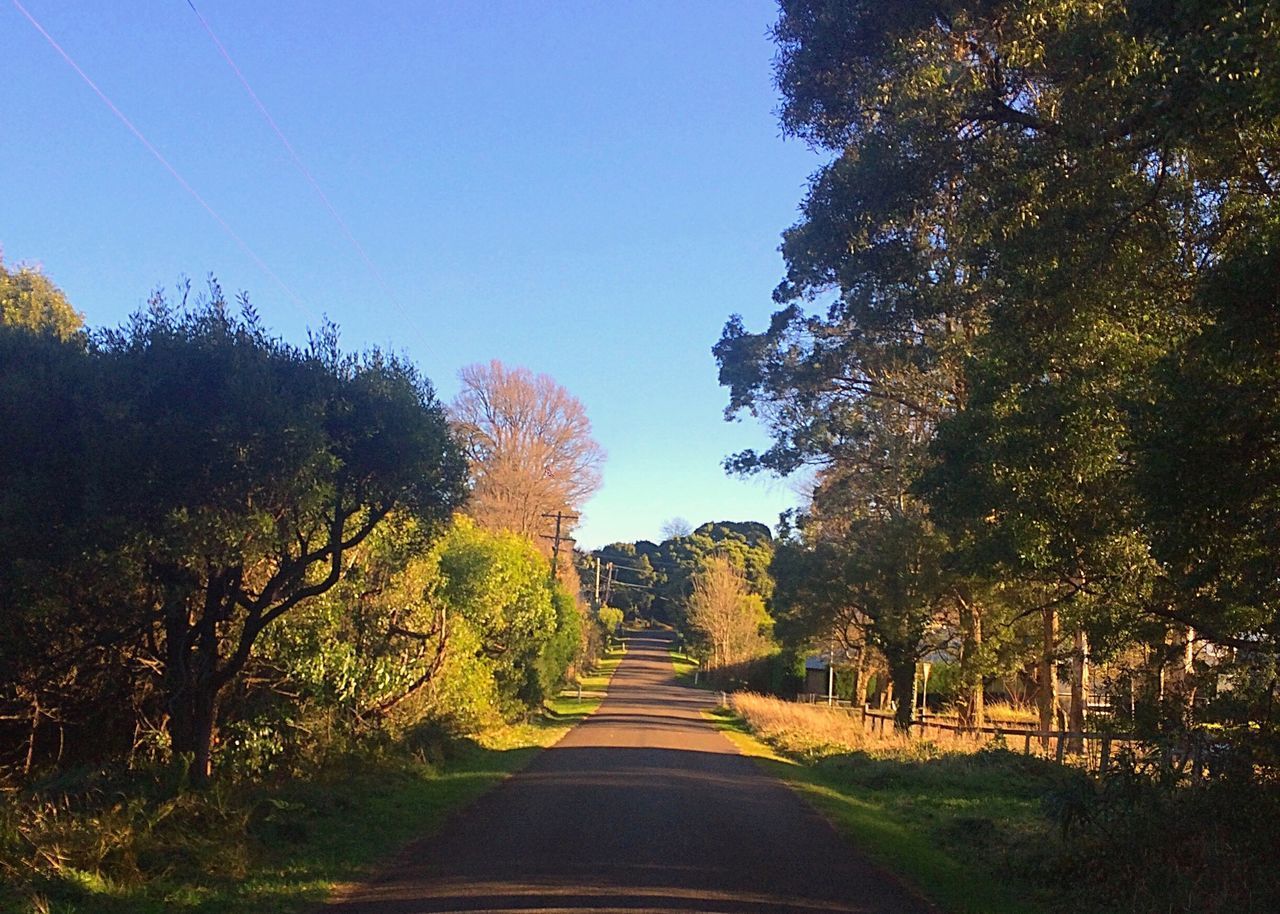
(644, 806)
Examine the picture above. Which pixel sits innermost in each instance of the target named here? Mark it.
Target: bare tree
(676, 527)
(529, 447)
(728, 616)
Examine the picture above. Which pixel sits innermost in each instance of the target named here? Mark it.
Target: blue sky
(585, 189)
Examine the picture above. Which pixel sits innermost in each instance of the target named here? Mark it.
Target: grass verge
(568, 707)
(954, 825)
(281, 847)
(685, 667)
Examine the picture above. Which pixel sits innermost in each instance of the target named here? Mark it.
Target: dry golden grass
(1003, 712)
(816, 731)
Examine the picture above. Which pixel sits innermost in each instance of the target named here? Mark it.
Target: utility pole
(597, 582)
(559, 517)
(608, 582)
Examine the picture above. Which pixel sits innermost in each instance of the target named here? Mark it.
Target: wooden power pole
(559, 517)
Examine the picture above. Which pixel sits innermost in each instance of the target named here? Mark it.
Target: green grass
(283, 848)
(685, 667)
(567, 707)
(957, 827)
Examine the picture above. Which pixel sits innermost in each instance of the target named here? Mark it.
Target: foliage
(1045, 277)
(528, 445)
(221, 478)
(959, 819)
(30, 301)
(1210, 477)
(1137, 843)
(655, 580)
(88, 842)
(729, 620)
(610, 618)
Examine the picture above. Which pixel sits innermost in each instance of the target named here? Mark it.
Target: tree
(28, 299)
(498, 581)
(1014, 225)
(610, 618)
(1209, 472)
(726, 615)
(227, 476)
(676, 527)
(528, 445)
(54, 660)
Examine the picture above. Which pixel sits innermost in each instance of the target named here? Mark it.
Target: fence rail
(1095, 749)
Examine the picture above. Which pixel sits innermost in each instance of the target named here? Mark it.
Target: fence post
(1061, 746)
(1105, 760)
(1026, 743)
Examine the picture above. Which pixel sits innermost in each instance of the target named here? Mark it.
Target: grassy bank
(982, 829)
(961, 825)
(685, 666)
(131, 843)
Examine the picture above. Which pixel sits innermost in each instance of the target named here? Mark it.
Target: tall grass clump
(813, 732)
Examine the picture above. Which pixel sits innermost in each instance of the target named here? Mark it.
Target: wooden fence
(1094, 750)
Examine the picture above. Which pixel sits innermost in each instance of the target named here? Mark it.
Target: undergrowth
(144, 841)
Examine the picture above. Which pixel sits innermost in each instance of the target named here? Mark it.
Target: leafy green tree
(1014, 226)
(610, 618)
(227, 477)
(498, 581)
(559, 651)
(411, 615)
(366, 649)
(28, 299)
(1209, 472)
(56, 661)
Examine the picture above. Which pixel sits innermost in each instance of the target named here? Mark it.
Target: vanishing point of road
(643, 806)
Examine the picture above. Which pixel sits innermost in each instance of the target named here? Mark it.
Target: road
(643, 806)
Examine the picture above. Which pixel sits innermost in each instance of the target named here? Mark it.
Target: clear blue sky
(586, 189)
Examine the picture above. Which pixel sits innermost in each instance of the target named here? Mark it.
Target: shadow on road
(642, 807)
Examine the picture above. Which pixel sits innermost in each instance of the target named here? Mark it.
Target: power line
(244, 246)
(306, 173)
(653, 564)
(617, 583)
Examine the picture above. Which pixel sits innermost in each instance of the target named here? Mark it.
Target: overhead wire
(310, 178)
(150, 147)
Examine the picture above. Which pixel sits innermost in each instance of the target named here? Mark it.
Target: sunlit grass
(685, 667)
(568, 707)
(953, 820)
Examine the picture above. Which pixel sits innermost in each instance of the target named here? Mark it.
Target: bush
(1139, 843)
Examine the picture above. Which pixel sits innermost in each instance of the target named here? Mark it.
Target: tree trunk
(1047, 693)
(192, 692)
(1178, 683)
(860, 679)
(903, 672)
(974, 708)
(1079, 691)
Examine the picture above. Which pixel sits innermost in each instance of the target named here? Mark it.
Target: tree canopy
(28, 299)
(1040, 241)
(222, 477)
